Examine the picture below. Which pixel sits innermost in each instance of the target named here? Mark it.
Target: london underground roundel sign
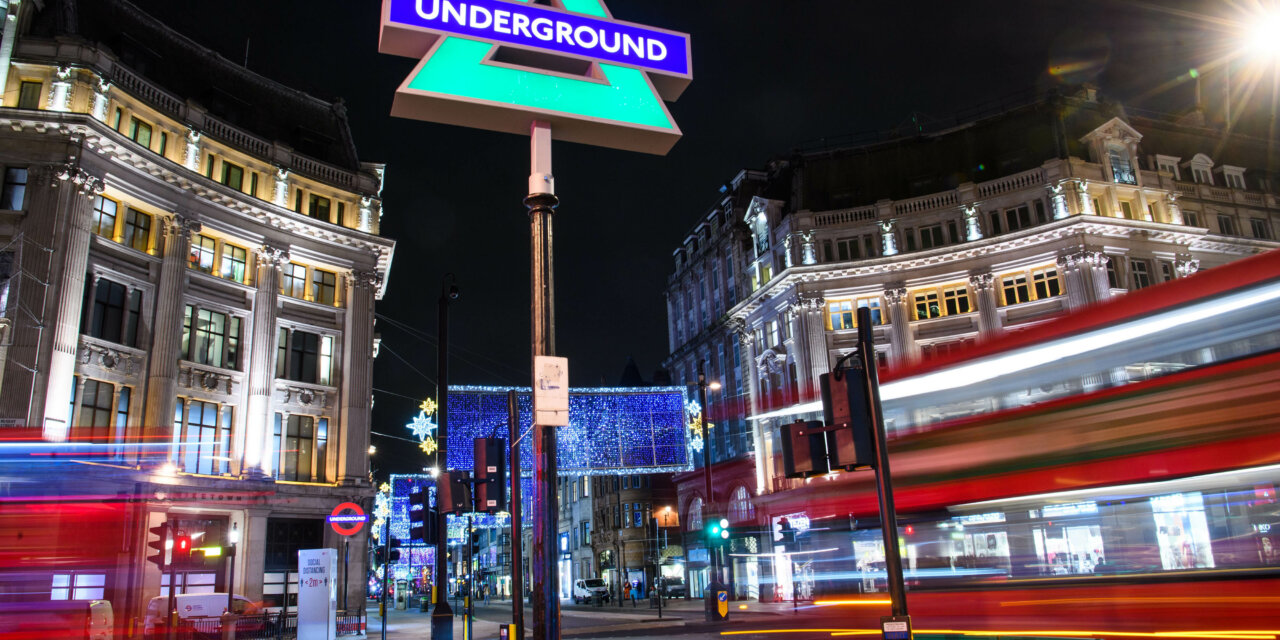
(347, 519)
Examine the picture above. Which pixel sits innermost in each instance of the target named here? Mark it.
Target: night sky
(769, 75)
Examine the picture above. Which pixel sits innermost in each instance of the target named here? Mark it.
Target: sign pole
(442, 614)
(541, 203)
(517, 542)
(897, 626)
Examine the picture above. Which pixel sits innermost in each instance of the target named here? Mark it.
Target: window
(78, 586)
(253, 184)
(304, 357)
(96, 413)
(164, 143)
(1015, 289)
(297, 201)
(1018, 218)
(1121, 168)
(1260, 228)
(995, 223)
(1234, 180)
(119, 120)
(233, 176)
(208, 167)
(29, 94)
(956, 300)
(1202, 175)
(140, 132)
(318, 208)
(931, 236)
(855, 248)
(927, 305)
(15, 188)
(103, 218)
(293, 280)
(342, 214)
(938, 349)
(840, 315)
(944, 301)
(1191, 218)
(201, 437)
(1113, 278)
(1140, 271)
(1036, 284)
(1227, 225)
(137, 230)
(203, 250)
(233, 262)
(740, 507)
(302, 445)
(1127, 209)
(1047, 284)
(211, 338)
(114, 312)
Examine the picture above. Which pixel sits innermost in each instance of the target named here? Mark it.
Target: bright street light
(1264, 36)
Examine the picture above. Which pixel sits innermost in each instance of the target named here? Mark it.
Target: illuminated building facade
(984, 227)
(189, 261)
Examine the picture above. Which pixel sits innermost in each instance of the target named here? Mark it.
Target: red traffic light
(182, 544)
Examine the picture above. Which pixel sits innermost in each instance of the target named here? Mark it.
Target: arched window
(694, 517)
(740, 507)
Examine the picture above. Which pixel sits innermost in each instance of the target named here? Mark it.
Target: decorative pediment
(771, 361)
(1114, 129)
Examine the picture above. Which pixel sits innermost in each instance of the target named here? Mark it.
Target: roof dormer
(1200, 168)
(1114, 145)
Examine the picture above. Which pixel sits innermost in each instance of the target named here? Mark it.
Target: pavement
(679, 617)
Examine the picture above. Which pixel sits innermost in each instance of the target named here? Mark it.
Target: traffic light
(393, 555)
(491, 474)
(417, 515)
(181, 548)
(160, 546)
(379, 555)
(453, 493)
(718, 532)
(842, 440)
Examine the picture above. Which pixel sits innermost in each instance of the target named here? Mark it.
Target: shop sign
(347, 519)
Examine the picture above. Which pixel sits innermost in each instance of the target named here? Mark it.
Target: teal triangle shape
(458, 68)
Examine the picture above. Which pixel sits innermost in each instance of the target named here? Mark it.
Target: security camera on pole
(851, 437)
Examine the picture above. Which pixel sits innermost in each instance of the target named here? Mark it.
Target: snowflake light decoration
(428, 406)
(428, 445)
(695, 442)
(421, 426)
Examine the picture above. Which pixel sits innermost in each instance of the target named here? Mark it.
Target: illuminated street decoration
(498, 64)
(693, 413)
(428, 445)
(611, 430)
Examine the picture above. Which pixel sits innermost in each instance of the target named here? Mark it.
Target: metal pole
(346, 570)
(884, 486)
(231, 576)
(517, 541)
(442, 614)
(173, 582)
(541, 203)
(386, 573)
(713, 571)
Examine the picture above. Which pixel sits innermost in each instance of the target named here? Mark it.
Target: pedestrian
(486, 593)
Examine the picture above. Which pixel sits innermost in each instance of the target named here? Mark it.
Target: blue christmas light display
(612, 431)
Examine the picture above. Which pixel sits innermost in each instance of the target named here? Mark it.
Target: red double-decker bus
(1111, 471)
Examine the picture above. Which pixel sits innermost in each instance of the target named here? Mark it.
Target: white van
(86, 619)
(191, 605)
(589, 590)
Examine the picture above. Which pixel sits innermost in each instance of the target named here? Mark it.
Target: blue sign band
(341, 519)
(539, 27)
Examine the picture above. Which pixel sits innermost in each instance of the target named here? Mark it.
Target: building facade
(948, 237)
(190, 261)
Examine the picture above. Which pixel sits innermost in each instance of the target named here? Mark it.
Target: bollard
(228, 623)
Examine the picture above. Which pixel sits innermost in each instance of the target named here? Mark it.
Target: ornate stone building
(189, 262)
(948, 237)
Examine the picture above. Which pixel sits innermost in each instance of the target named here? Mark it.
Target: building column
(809, 344)
(101, 98)
(984, 284)
(900, 325)
(60, 90)
(973, 228)
(357, 376)
(1097, 263)
(1075, 283)
(74, 190)
(192, 158)
(166, 339)
(262, 362)
(7, 40)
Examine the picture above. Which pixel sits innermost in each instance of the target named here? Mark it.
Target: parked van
(590, 590)
(191, 605)
(57, 620)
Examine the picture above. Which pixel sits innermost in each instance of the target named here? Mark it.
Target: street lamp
(713, 565)
(234, 538)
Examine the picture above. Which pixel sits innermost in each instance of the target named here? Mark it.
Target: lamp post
(234, 538)
(442, 615)
(712, 561)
